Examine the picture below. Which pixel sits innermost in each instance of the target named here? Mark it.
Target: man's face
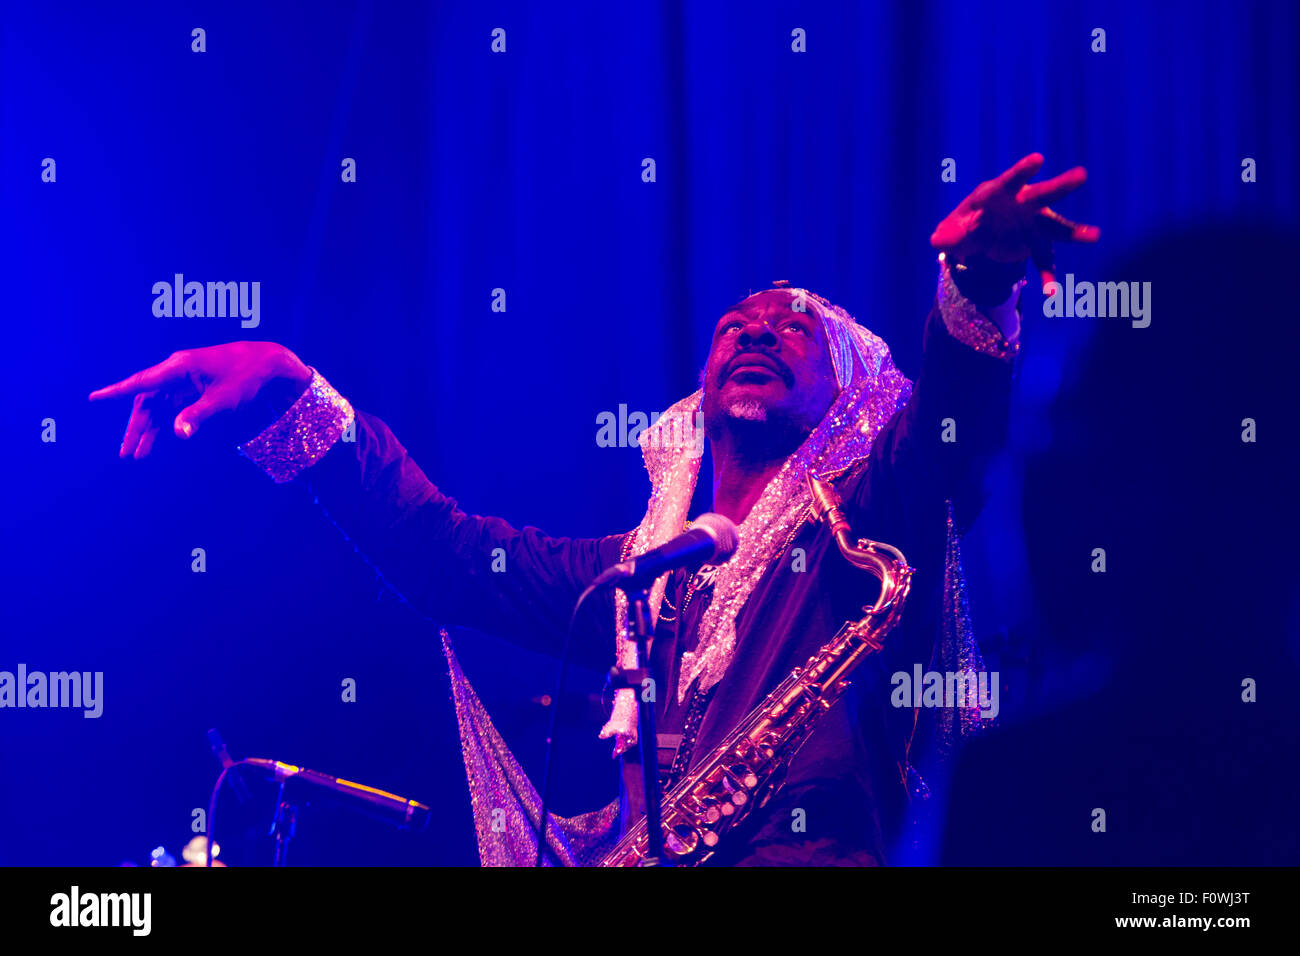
(769, 363)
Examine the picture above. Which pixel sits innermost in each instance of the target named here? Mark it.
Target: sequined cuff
(303, 434)
(967, 324)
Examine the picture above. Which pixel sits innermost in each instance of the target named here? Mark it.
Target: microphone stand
(638, 619)
(714, 538)
(283, 826)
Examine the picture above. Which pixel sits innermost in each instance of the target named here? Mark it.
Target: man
(792, 385)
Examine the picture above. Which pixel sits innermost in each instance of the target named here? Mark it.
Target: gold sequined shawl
(872, 390)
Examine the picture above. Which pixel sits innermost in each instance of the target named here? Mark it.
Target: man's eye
(798, 327)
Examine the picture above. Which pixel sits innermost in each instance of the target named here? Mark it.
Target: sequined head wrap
(872, 389)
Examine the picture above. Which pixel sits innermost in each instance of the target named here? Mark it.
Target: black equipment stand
(638, 622)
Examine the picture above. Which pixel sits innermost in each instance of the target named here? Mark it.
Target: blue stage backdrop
(490, 249)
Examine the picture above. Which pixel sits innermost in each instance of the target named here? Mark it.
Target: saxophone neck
(883, 561)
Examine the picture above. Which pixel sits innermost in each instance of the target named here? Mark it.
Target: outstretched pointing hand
(196, 384)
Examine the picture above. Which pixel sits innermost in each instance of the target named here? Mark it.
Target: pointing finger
(167, 372)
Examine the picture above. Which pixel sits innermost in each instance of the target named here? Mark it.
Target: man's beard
(761, 433)
(747, 409)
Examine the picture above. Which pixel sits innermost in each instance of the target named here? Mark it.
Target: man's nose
(758, 333)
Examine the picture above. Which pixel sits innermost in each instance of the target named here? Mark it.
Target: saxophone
(744, 771)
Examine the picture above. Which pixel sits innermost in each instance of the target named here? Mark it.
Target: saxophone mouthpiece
(826, 504)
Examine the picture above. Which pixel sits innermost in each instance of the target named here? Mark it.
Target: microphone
(380, 803)
(712, 539)
(218, 747)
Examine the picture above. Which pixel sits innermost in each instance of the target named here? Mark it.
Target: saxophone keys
(703, 812)
(742, 779)
(681, 840)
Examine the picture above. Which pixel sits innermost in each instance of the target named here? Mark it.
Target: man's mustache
(758, 358)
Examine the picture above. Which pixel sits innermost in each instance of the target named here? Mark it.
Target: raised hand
(1008, 219)
(190, 387)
